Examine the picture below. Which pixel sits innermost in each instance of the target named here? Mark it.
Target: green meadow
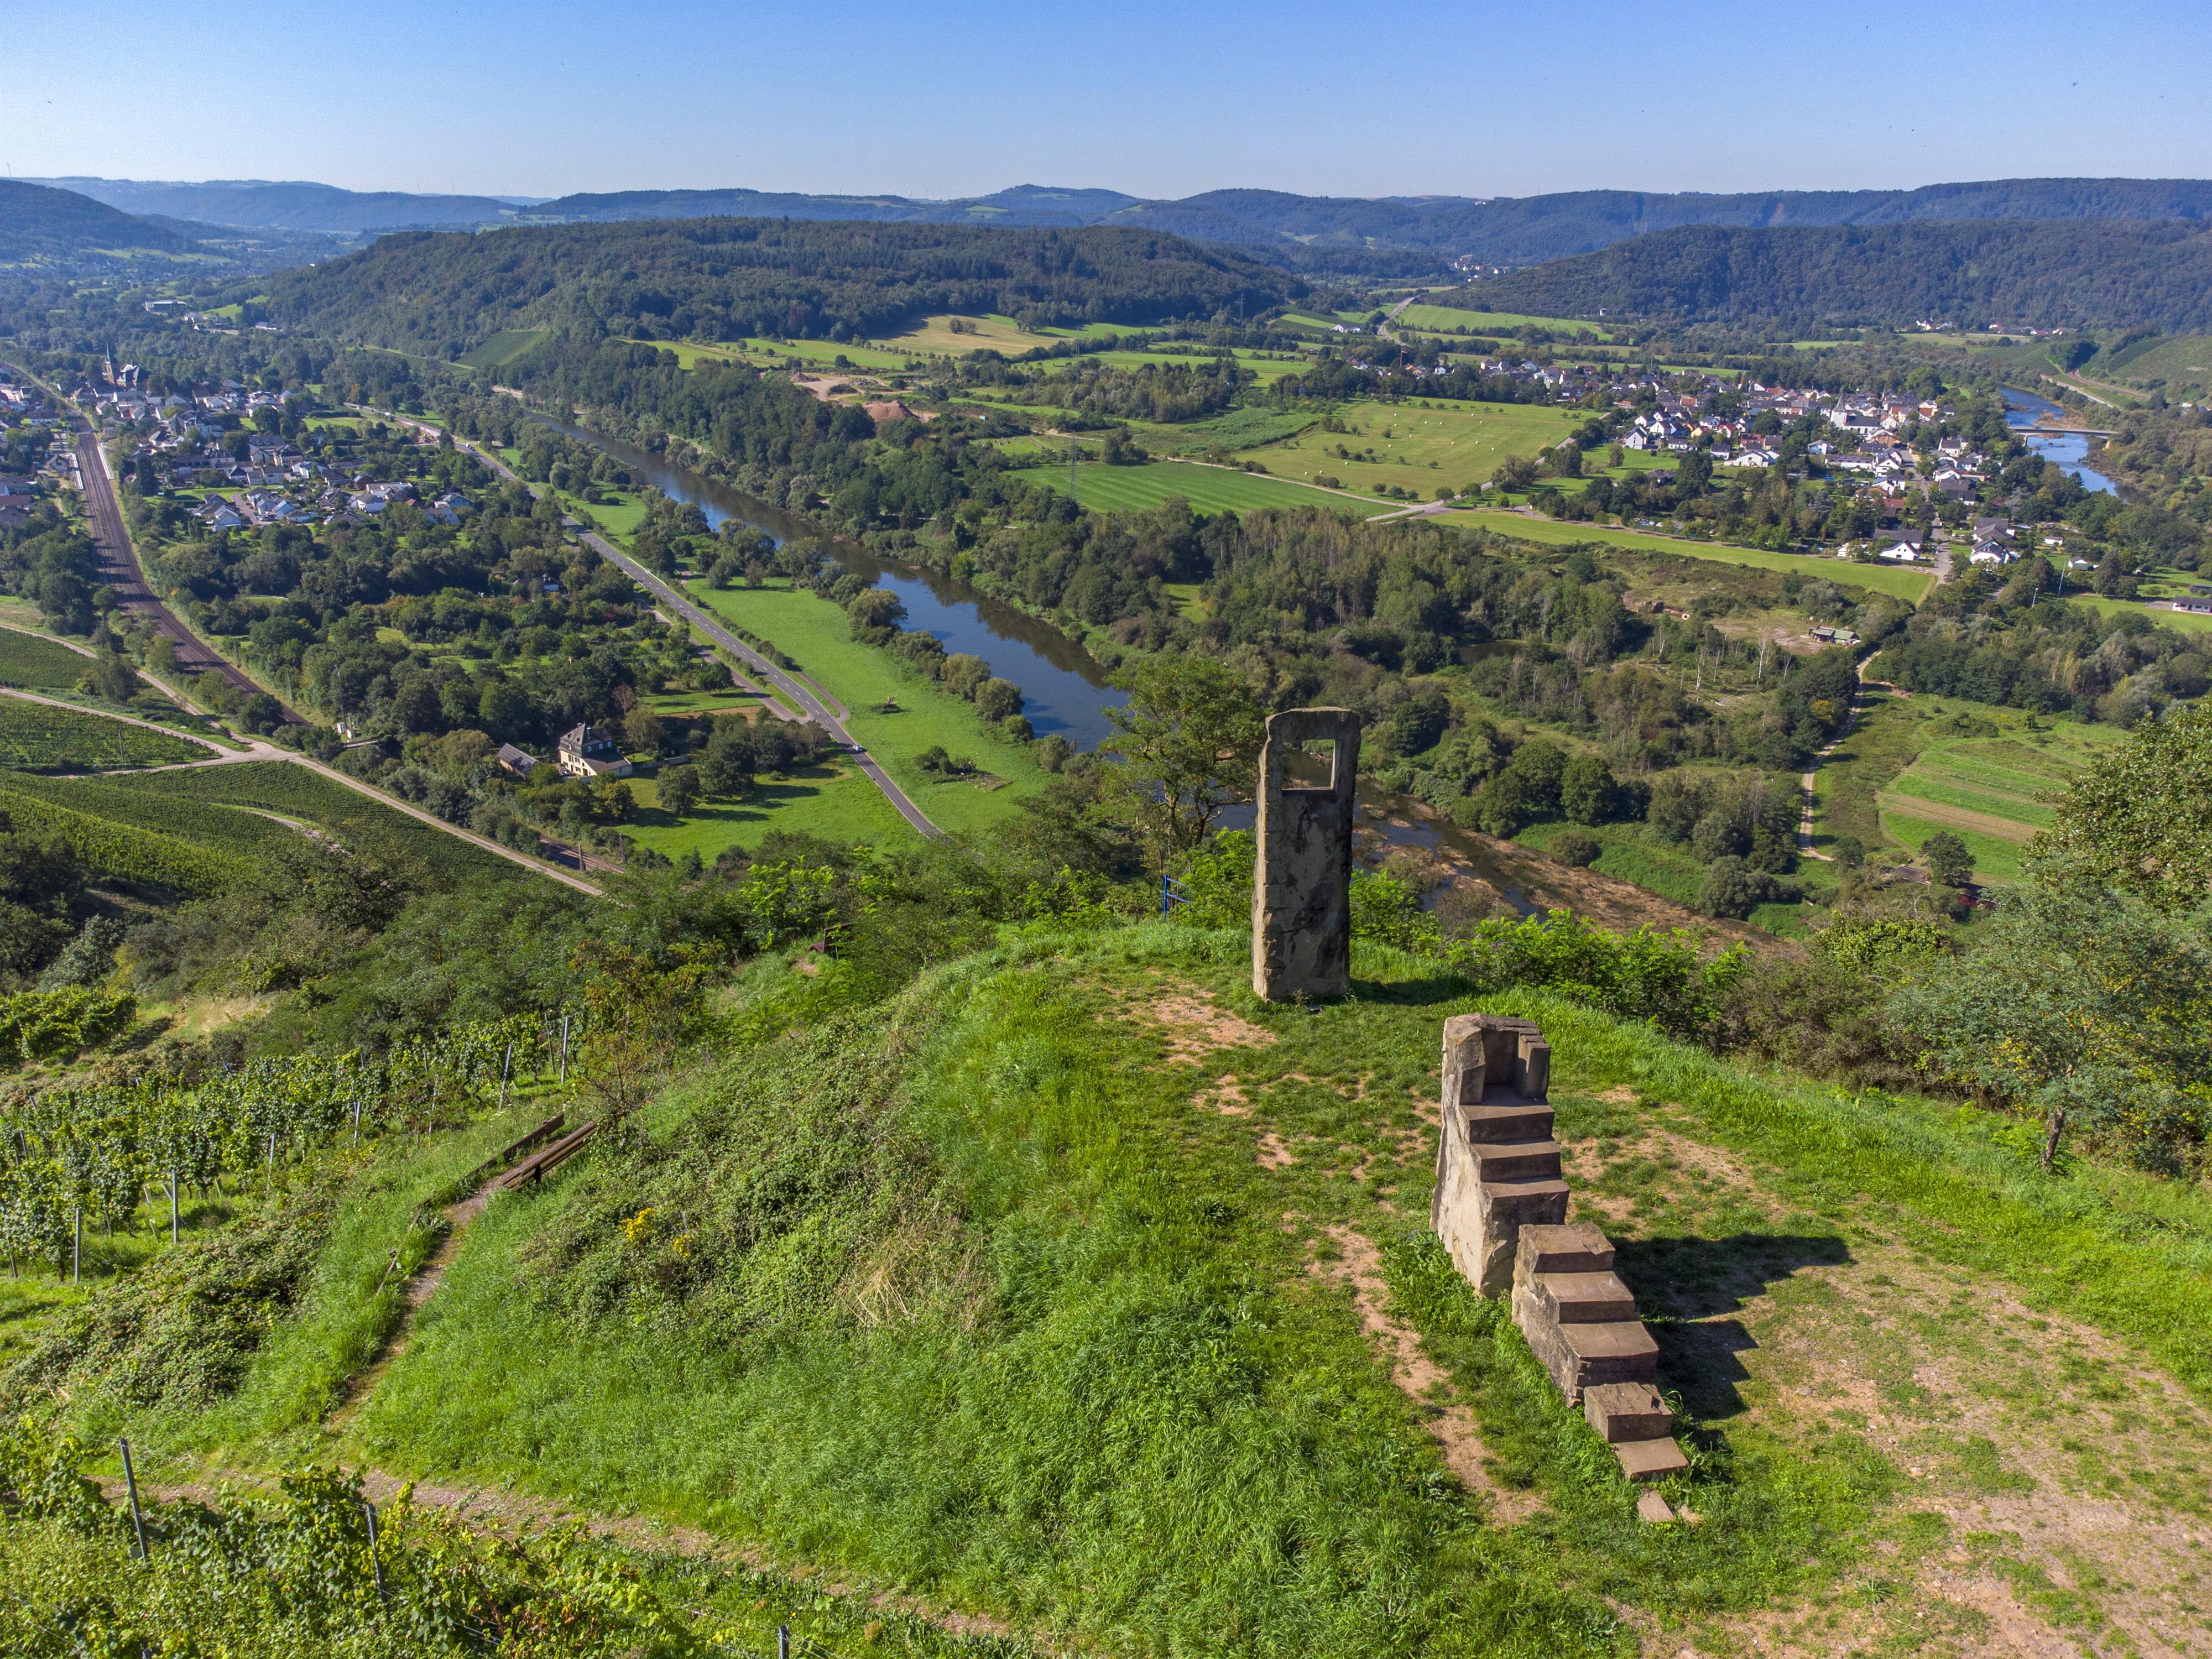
(1207, 489)
(1911, 585)
(1419, 444)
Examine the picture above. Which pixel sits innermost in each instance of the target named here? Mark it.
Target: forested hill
(440, 294)
(263, 205)
(2078, 275)
(45, 227)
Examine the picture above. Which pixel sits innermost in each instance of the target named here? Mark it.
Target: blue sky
(1159, 99)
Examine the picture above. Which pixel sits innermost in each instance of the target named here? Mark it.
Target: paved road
(705, 621)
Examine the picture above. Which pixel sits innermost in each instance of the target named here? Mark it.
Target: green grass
(1995, 792)
(1124, 1395)
(1908, 584)
(39, 664)
(1421, 443)
(503, 348)
(1207, 489)
(837, 802)
(294, 791)
(40, 738)
(814, 634)
(1633, 854)
(1444, 318)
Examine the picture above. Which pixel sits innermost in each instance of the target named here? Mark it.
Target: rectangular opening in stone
(1316, 763)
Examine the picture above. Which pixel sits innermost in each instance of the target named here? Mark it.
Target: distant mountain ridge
(1307, 232)
(2016, 272)
(58, 226)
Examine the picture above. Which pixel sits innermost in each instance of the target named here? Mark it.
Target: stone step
(1582, 1357)
(1524, 1202)
(1517, 1160)
(1649, 1459)
(1622, 1411)
(1585, 1298)
(1516, 1120)
(1581, 1248)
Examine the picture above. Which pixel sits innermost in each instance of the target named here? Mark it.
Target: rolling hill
(1308, 232)
(42, 226)
(2101, 274)
(442, 293)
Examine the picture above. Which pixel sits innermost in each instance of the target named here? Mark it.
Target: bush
(1577, 848)
(1648, 975)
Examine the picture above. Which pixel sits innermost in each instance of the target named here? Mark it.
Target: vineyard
(113, 848)
(40, 738)
(230, 831)
(93, 1154)
(294, 791)
(38, 665)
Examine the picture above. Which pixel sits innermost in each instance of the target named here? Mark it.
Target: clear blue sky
(1157, 100)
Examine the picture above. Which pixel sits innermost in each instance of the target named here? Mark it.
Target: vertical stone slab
(1302, 883)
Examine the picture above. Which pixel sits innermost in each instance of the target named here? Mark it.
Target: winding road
(700, 617)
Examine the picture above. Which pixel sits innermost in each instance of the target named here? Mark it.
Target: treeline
(440, 294)
(2079, 274)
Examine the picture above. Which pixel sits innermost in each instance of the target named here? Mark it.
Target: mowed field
(1207, 489)
(1447, 320)
(815, 634)
(1419, 444)
(1882, 579)
(1992, 792)
(835, 800)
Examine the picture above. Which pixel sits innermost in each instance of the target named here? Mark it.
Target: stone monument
(1501, 1209)
(1302, 883)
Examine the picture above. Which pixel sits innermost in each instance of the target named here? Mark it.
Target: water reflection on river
(1064, 687)
(2066, 450)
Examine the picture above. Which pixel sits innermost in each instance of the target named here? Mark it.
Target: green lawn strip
(39, 737)
(1207, 489)
(1927, 781)
(1421, 314)
(1903, 584)
(2189, 622)
(815, 634)
(838, 802)
(1157, 1424)
(294, 791)
(503, 348)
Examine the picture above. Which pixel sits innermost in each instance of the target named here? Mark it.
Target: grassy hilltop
(1076, 1288)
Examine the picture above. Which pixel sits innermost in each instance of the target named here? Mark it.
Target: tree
(680, 790)
(1949, 861)
(1588, 791)
(644, 730)
(1187, 742)
(998, 700)
(1732, 887)
(2138, 821)
(726, 769)
(2081, 1006)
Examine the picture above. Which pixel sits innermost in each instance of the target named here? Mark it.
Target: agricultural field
(1207, 489)
(1449, 320)
(40, 738)
(1911, 585)
(1419, 444)
(814, 632)
(37, 664)
(124, 846)
(1994, 792)
(300, 795)
(504, 347)
(835, 800)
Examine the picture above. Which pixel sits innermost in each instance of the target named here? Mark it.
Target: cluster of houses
(26, 406)
(274, 481)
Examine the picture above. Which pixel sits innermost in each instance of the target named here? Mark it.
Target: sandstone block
(1626, 1410)
(1650, 1460)
(1302, 881)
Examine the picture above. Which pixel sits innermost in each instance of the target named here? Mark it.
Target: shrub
(1577, 847)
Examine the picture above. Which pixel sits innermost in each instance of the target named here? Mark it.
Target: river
(1064, 690)
(2067, 450)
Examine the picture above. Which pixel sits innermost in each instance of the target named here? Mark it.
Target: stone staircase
(1501, 1209)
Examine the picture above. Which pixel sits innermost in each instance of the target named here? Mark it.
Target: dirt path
(1805, 847)
(420, 1289)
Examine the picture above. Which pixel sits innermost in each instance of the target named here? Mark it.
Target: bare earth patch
(1359, 1267)
(1195, 1025)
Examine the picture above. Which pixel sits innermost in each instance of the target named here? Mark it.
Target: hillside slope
(58, 226)
(1078, 1289)
(443, 293)
(2102, 274)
